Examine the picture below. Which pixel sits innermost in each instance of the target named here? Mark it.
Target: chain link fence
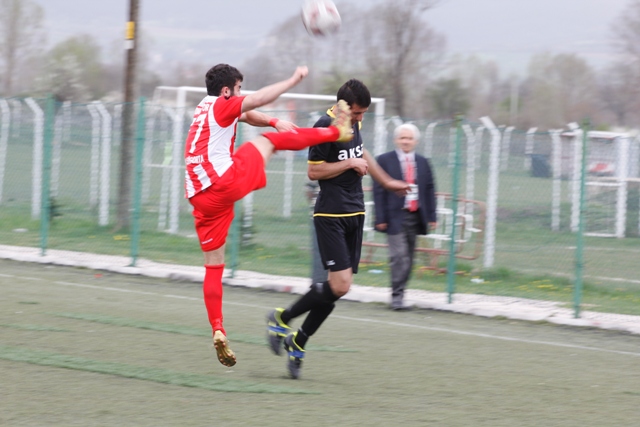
(510, 198)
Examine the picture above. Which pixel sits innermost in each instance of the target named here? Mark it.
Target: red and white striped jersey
(211, 140)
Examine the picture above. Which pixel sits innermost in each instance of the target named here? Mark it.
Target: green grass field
(81, 347)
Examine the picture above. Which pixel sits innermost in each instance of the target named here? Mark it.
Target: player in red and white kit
(217, 176)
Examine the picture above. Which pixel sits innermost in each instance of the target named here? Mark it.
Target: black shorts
(339, 241)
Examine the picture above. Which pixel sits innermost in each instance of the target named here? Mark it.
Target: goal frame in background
(179, 104)
(619, 160)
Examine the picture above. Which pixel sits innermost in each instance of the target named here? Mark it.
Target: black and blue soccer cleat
(276, 330)
(295, 353)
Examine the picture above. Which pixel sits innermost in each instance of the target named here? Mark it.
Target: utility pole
(128, 119)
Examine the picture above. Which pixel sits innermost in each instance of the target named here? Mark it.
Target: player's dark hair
(355, 92)
(221, 76)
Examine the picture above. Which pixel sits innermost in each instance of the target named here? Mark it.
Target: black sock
(306, 302)
(318, 294)
(314, 319)
(301, 338)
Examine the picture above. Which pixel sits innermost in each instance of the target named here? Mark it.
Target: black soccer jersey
(341, 195)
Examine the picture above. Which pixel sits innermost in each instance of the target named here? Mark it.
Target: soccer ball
(320, 17)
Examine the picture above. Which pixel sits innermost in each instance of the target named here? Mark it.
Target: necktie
(410, 178)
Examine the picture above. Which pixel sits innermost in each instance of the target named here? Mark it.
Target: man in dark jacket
(404, 218)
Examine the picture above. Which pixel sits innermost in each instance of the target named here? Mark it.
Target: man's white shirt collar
(402, 156)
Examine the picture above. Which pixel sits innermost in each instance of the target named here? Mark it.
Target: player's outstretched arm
(270, 93)
(256, 118)
(399, 187)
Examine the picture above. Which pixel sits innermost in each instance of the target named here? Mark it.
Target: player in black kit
(339, 220)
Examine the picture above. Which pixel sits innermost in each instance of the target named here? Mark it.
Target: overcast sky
(509, 31)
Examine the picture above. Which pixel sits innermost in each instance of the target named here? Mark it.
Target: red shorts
(213, 207)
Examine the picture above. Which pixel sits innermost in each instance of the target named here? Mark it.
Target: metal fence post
(492, 193)
(577, 288)
(451, 267)
(137, 183)
(5, 123)
(45, 203)
(36, 169)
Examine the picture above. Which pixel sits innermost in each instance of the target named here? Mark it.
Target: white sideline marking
(497, 337)
(80, 285)
(616, 279)
(613, 279)
(404, 325)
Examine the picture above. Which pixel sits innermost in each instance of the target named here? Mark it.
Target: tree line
(391, 47)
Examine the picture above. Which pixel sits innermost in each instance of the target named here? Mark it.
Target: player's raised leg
(300, 138)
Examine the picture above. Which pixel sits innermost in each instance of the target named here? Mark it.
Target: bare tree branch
(20, 35)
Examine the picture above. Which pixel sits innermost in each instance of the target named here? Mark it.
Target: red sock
(213, 295)
(300, 138)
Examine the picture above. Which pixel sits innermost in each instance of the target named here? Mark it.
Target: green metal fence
(526, 221)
